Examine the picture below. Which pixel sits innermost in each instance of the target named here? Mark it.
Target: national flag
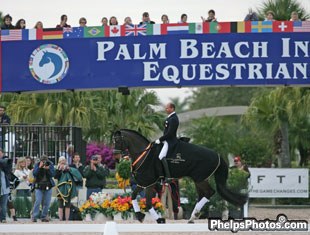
(51, 33)
(181, 28)
(197, 28)
(114, 30)
(11, 35)
(301, 26)
(93, 32)
(219, 27)
(153, 29)
(135, 30)
(75, 32)
(261, 26)
(282, 26)
(29, 34)
(240, 27)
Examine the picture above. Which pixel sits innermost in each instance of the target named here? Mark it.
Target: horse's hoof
(161, 220)
(140, 216)
(191, 222)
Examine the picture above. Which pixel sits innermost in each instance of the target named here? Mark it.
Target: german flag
(52, 33)
(240, 27)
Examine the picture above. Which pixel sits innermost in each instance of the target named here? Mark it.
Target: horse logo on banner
(49, 64)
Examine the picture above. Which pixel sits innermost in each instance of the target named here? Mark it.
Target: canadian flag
(282, 26)
(114, 31)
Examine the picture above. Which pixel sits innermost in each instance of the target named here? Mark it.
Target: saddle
(173, 150)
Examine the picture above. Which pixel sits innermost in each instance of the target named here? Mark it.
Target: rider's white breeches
(164, 150)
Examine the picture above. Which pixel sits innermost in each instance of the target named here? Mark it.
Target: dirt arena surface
(256, 212)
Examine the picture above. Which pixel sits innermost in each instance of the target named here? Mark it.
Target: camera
(46, 163)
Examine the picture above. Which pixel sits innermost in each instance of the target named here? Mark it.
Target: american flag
(135, 30)
(301, 26)
(11, 35)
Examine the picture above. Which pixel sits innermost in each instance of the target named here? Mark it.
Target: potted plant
(121, 205)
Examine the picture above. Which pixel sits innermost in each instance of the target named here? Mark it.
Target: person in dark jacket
(95, 175)
(169, 138)
(43, 172)
(5, 170)
(4, 118)
(7, 22)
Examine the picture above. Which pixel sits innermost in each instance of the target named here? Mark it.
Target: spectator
(146, 19)
(128, 21)
(76, 163)
(66, 188)
(95, 175)
(63, 22)
(4, 118)
(7, 22)
(29, 163)
(104, 21)
(82, 22)
(269, 16)
(252, 16)
(38, 25)
(113, 20)
(22, 173)
(294, 16)
(239, 165)
(211, 17)
(43, 172)
(21, 24)
(5, 170)
(165, 19)
(183, 18)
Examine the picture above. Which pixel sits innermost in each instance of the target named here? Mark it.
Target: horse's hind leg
(205, 192)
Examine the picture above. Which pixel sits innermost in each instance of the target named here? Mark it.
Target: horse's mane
(137, 133)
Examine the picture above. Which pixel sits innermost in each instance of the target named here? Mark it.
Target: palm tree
(180, 106)
(282, 9)
(1, 18)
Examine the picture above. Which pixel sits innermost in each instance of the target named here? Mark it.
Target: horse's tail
(221, 175)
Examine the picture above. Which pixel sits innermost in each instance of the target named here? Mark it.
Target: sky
(49, 13)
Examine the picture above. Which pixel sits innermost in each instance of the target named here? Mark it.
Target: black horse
(186, 159)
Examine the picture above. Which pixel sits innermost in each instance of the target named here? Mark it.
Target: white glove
(157, 141)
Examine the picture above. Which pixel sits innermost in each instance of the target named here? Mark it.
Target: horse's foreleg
(150, 208)
(139, 215)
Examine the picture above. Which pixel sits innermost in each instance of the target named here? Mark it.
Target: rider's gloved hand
(157, 141)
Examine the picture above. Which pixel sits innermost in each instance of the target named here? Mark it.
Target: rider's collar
(171, 114)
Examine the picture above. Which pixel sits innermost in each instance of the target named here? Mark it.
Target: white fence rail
(110, 228)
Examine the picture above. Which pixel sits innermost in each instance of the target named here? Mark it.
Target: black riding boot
(166, 170)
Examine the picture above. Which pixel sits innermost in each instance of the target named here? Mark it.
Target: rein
(144, 152)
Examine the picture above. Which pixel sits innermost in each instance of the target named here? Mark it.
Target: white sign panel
(279, 183)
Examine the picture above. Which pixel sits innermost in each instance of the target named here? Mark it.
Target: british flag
(135, 30)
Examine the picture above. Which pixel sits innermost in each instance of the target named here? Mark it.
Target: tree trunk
(284, 157)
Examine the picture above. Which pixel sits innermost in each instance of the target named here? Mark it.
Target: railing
(37, 140)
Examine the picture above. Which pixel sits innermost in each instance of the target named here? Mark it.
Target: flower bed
(111, 206)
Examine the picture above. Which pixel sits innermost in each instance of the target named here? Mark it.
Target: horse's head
(45, 58)
(119, 142)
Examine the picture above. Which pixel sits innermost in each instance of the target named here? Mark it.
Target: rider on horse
(169, 138)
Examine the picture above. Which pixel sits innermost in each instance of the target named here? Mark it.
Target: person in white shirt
(22, 172)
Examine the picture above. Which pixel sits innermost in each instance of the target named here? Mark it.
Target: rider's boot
(168, 178)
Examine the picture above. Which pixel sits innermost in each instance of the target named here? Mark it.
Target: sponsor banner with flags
(94, 32)
(47, 34)
(135, 30)
(244, 59)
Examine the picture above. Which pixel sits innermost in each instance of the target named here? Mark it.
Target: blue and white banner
(156, 61)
